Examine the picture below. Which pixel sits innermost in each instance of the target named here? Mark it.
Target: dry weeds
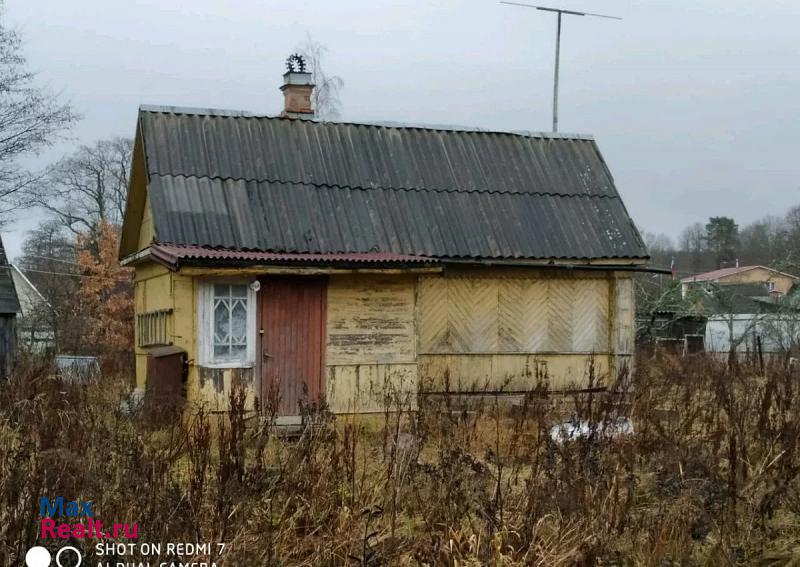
(710, 476)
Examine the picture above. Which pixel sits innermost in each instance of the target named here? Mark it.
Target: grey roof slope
(234, 180)
(9, 303)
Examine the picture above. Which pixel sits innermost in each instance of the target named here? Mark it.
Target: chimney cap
(294, 78)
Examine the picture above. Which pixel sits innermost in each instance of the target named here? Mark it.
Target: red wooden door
(292, 331)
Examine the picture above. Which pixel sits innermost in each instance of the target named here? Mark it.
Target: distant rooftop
(725, 272)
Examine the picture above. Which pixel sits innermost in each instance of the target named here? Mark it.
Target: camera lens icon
(39, 557)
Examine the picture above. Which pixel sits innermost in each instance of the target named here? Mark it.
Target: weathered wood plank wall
(390, 335)
(496, 333)
(460, 315)
(371, 347)
(8, 345)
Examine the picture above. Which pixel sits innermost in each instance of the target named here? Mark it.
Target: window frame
(205, 325)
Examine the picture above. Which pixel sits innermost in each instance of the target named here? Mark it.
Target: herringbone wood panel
(560, 302)
(432, 315)
(462, 315)
(533, 312)
(590, 329)
(510, 323)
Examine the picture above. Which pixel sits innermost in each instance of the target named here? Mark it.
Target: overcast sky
(694, 103)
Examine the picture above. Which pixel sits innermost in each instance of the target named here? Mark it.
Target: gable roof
(236, 181)
(8, 294)
(725, 272)
(29, 297)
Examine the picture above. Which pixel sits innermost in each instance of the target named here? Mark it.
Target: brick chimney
(297, 89)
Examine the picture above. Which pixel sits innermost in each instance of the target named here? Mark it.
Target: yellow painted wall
(146, 233)
(156, 287)
(783, 284)
(371, 343)
(490, 330)
(389, 336)
(474, 373)
(370, 320)
(523, 314)
(152, 289)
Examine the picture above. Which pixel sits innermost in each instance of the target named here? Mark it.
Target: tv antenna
(558, 44)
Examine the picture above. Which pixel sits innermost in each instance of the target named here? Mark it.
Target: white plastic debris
(133, 402)
(575, 429)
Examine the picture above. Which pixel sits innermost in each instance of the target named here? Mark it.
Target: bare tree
(88, 186)
(49, 260)
(31, 119)
(325, 98)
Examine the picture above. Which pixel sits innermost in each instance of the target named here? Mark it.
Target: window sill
(227, 364)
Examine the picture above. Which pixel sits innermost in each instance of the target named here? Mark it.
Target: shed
(361, 262)
(9, 307)
(34, 328)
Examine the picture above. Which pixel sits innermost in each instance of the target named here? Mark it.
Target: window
(771, 286)
(227, 324)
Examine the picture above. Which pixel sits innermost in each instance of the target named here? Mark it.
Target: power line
(558, 43)
(49, 258)
(70, 275)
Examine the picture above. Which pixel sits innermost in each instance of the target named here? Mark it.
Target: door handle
(267, 355)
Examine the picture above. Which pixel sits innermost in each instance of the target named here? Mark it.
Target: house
(359, 262)
(9, 306)
(34, 331)
(778, 283)
(749, 316)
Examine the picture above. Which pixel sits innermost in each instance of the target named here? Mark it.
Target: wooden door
(292, 345)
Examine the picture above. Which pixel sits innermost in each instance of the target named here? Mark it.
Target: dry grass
(709, 478)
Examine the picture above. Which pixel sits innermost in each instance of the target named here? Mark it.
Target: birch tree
(325, 98)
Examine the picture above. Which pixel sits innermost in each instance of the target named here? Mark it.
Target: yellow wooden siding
(156, 287)
(152, 289)
(625, 316)
(371, 343)
(370, 320)
(483, 315)
(390, 335)
(476, 373)
(624, 323)
(371, 387)
(146, 233)
(184, 309)
(783, 283)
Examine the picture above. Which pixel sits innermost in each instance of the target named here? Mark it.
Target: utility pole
(559, 13)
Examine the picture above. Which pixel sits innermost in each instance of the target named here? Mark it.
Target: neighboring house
(9, 307)
(773, 333)
(748, 316)
(778, 283)
(361, 262)
(34, 331)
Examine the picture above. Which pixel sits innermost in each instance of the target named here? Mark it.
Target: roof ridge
(230, 113)
(383, 187)
(703, 276)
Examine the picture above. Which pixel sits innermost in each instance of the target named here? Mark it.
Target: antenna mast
(558, 44)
